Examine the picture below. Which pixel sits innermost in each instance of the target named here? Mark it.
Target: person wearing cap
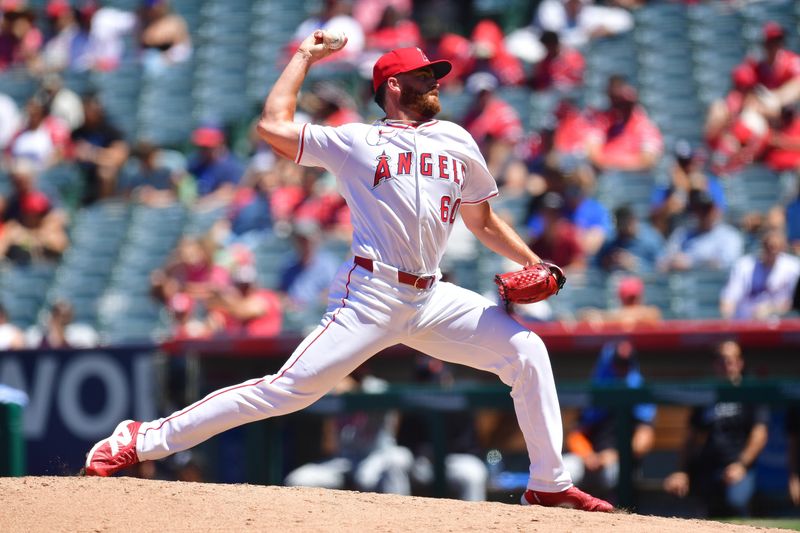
(779, 68)
(624, 138)
(100, 150)
(703, 241)
(216, 170)
(631, 311)
(493, 123)
(405, 177)
(33, 229)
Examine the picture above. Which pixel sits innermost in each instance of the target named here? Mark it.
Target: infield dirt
(51, 504)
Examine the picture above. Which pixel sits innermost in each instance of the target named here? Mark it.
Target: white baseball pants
(370, 311)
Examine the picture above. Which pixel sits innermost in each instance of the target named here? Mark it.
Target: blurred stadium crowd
(650, 148)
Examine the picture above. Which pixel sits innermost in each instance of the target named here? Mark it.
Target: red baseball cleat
(114, 453)
(572, 498)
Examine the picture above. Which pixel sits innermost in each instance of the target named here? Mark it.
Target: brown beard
(425, 104)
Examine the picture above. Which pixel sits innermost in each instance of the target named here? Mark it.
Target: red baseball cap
(773, 30)
(744, 77)
(208, 137)
(630, 288)
(403, 60)
(57, 8)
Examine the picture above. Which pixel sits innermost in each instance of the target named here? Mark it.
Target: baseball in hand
(333, 40)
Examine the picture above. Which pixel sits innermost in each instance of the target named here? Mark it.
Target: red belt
(418, 282)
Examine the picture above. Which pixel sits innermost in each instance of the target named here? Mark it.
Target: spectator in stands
(249, 216)
(558, 239)
(779, 68)
(722, 446)
(561, 68)
(245, 308)
(703, 241)
(624, 138)
(61, 331)
(11, 337)
(579, 21)
(109, 28)
(370, 13)
(492, 122)
(100, 151)
(783, 144)
(593, 457)
(33, 229)
(456, 49)
(362, 448)
(632, 311)
(20, 39)
(793, 452)
(215, 169)
(736, 128)
(335, 15)
(762, 285)
(668, 203)
(490, 54)
(395, 30)
(43, 138)
(10, 120)
(190, 270)
(572, 129)
(184, 324)
(330, 104)
(792, 217)
(305, 279)
(153, 184)
(63, 102)
(465, 473)
(163, 36)
(634, 247)
(71, 47)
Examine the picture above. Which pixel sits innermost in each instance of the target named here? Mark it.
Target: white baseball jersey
(404, 184)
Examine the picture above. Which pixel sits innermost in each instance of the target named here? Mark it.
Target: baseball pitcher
(405, 178)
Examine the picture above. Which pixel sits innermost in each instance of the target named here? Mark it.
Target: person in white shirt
(405, 178)
(761, 285)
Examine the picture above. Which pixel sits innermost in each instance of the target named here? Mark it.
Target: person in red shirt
(783, 142)
(561, 68)
(624, 137)
(779, 70)
(395, 30)
(245, 308)
(559, 241)
(488, 44)
(572, 130)
(20, 39)
(735, 127)
(493, 123)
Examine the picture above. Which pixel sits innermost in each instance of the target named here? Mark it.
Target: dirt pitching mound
(126, 504)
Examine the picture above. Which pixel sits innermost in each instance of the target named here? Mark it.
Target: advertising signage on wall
(77, 397)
